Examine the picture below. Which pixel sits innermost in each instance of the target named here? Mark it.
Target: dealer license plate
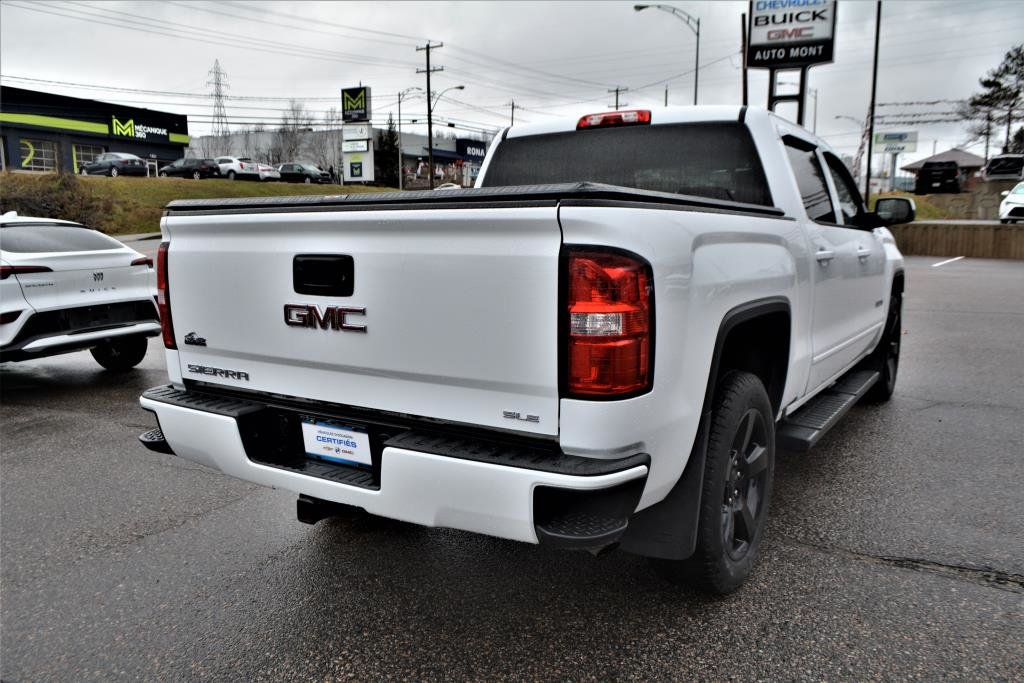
(335, 442)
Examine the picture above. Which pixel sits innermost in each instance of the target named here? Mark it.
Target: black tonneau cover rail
(533, 195)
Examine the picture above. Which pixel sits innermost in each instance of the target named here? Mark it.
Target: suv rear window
(716, 160)
(43, 238)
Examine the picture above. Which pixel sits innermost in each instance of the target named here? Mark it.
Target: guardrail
(961, 239)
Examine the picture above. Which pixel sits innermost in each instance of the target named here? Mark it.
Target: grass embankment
(123, 205)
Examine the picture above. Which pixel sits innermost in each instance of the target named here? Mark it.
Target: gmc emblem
(332, 317)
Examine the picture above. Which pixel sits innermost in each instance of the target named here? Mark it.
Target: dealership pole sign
(356, 135)
(790, 34)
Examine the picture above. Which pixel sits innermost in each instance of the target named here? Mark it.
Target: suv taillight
(610, 326)
(163, 297)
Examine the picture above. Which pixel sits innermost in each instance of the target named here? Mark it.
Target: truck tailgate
(460, 307)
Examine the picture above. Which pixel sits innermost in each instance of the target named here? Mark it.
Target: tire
(307, 180)
(738, 475)
(121, 354)
(83, 171)
(196, 175)
(113, 172)
(163, 174)
(231, 175)
(886, 356)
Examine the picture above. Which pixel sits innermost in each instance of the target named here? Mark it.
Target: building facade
(58, 134)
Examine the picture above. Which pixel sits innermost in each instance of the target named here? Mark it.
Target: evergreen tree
(387, 155)
(1001, 100)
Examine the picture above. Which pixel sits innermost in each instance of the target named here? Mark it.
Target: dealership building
(54, 133)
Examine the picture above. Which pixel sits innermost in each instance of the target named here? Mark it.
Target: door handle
(825, 255)
(863, 253)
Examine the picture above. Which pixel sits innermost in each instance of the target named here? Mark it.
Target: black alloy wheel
(739, 467)
(743, 499)
(885, 359)
(83, 171)
(163, 174)
(196, 175)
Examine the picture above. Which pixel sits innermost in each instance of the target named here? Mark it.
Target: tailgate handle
(323, 274)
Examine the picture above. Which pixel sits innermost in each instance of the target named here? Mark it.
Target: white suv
(65, 287)
(237, 167)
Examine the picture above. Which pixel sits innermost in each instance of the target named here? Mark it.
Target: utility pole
(218, 79)
(512, 122)
(871, 112)
(618, 90)
(430, 120)
(743, 43)
(666, 95)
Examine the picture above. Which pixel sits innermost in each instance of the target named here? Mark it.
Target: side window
(846, 190)
(811, 182)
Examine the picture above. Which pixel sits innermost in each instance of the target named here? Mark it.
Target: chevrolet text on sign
(790, 33)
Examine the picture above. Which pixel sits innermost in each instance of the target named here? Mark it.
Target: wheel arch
(668, 529)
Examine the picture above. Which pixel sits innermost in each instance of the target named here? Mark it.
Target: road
(895, 550)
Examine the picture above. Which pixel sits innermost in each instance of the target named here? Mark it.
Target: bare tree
(287, 142)
(323, 144)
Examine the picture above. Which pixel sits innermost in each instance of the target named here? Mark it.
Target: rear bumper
(502, 490)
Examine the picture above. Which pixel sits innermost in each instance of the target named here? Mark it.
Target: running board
(804, 428)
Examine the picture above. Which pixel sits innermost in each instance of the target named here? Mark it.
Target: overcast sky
(551, 57)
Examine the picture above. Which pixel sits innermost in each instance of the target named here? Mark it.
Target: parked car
(191, 168)
(238, 167)
(1011, 209)
(268, 172)
(114, 164)
(935, 177)
(303, 173)
(449, 186)
(605, 355)
(65, 287)
(1005, 167)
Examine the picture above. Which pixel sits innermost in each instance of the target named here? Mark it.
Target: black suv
(938, 176)
(303, 173)
(192, 168)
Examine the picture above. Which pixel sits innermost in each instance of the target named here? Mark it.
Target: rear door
(442, 313)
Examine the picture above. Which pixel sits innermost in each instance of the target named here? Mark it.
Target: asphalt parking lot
(895, 549)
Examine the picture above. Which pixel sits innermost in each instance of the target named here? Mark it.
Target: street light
(401, 171)
(430, 129)
(694, 24)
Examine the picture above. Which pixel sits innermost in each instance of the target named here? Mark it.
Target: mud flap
(668, 530)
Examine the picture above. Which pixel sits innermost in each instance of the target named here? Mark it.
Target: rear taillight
(143, 261)
(163, 297)
(634, 117)
(7, 271)
(609, 305)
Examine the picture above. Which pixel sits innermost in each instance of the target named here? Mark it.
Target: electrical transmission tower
(218, 80)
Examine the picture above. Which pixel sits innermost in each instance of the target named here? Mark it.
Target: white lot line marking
(942, 263)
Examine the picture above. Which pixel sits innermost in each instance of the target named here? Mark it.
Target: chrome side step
(804, 428)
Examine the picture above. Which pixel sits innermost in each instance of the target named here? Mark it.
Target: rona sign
(790, 34)
(355, 104)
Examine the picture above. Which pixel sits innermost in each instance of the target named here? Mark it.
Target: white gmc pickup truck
(598, 346)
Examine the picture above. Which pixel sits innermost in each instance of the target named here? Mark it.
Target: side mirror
(895, 210)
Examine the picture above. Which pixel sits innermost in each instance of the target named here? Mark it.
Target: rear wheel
(113, 172)
(82, 171)
(196, 175)
(231, 175)
(307, 180)
(885, 359)
(738, 475)
(121, 354)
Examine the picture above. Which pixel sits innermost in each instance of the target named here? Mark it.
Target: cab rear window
(40, 238)
(716, 160)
